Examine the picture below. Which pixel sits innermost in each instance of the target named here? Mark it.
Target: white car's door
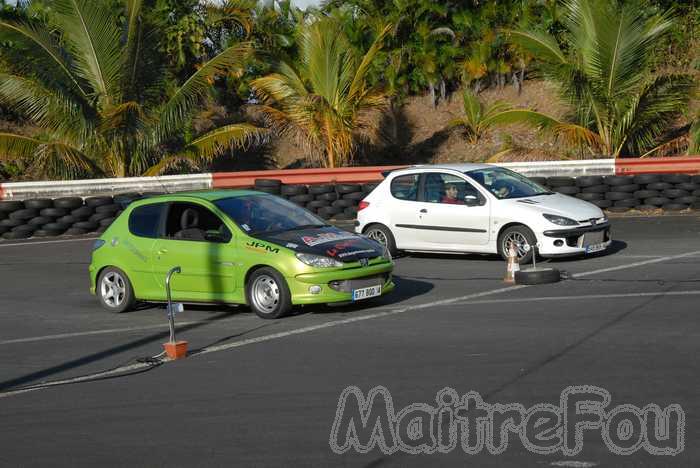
(449, 220)
(403, 211)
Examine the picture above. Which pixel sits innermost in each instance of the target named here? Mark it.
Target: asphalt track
(264, 393)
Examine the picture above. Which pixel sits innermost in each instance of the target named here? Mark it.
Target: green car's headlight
(318, 261)
(560, 220)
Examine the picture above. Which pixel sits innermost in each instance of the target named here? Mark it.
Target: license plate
(596, 247)
(366, 293)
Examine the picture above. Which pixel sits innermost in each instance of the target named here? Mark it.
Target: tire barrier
(45, 217)
(622, 193)
(329, 201)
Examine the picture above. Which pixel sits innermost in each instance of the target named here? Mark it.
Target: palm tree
(98, 92)
(324, 100)
(478, 117)
(621, 107)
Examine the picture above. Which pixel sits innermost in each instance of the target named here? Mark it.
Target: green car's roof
(210, 195)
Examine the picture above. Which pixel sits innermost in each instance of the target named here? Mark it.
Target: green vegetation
(129, 87)
(324, 99)
(97, 91)
(478, 117)
(620, 106)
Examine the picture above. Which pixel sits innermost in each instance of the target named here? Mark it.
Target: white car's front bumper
(574, 241)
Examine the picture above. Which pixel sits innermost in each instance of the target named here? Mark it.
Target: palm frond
(17, 147)
(694, 137)
(40, 39)
(169, 162)
(360, 77)
(496, 157)
(217, 141)
(278, 87)
(51, 109)
(91, 34)
(542, 46)
(188, 96)
(572, 134)
(58, 159)
(133, 40)
(652, 112)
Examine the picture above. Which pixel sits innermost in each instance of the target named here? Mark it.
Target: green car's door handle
(162, 251)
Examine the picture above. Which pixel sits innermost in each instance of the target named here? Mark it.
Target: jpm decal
(259, 246)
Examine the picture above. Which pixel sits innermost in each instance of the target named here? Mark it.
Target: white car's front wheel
(518, 236)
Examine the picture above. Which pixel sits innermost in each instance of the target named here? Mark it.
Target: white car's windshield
(258, 214)
(504, 183)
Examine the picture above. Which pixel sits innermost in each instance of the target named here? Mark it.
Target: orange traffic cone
(513, 265)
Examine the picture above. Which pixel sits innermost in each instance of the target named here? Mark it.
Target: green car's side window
(193, 222)
(145, 220)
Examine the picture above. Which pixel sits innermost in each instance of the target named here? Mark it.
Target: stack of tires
(644, 192)
(329, 201)
(44, 217)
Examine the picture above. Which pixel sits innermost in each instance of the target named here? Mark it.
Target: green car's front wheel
(114, 290)
(268, 294)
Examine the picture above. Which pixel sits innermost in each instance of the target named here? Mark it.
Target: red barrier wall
(302, 176)
(686, 165)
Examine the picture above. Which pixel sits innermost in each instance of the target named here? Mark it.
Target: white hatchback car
(478, 208)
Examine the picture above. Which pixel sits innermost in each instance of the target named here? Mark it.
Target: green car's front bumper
(342, 279)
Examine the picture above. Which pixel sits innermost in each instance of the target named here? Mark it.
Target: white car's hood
(557, 204)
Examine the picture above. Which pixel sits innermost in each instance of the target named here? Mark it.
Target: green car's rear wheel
(268, 294)
(114, 290)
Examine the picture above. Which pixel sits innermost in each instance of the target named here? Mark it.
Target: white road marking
(578, 298)
(97, 332)
(303, 330)
(638, 256)
(25, 244)
(574, 464)
(636, 264)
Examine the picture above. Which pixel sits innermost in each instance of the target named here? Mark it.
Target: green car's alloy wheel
(115, 291)
(268, 294)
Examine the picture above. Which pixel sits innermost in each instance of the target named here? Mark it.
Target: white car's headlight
(318, 261)
(560, 220)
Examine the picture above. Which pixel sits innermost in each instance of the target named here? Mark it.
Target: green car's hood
(328, 241)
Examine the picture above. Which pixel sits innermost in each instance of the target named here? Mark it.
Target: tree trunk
(522, 80)
(516, 83)
(432, 94)
(443, 91)
(477, 86)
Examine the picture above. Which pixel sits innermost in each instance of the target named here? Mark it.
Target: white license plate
(596, 247)
(366, 293)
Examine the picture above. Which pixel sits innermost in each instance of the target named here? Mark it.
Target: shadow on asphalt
(617, 246)
(406, 288)
(158, 337)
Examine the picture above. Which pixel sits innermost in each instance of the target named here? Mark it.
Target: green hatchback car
(233, 247)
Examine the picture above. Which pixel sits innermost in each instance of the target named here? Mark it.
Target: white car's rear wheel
(383, 235)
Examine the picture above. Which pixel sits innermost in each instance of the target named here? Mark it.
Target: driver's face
(451, 192)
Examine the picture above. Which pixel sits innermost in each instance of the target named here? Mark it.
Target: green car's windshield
(264, 214)
(504, 183)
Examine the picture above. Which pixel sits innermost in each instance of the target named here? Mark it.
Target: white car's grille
(592, 221)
